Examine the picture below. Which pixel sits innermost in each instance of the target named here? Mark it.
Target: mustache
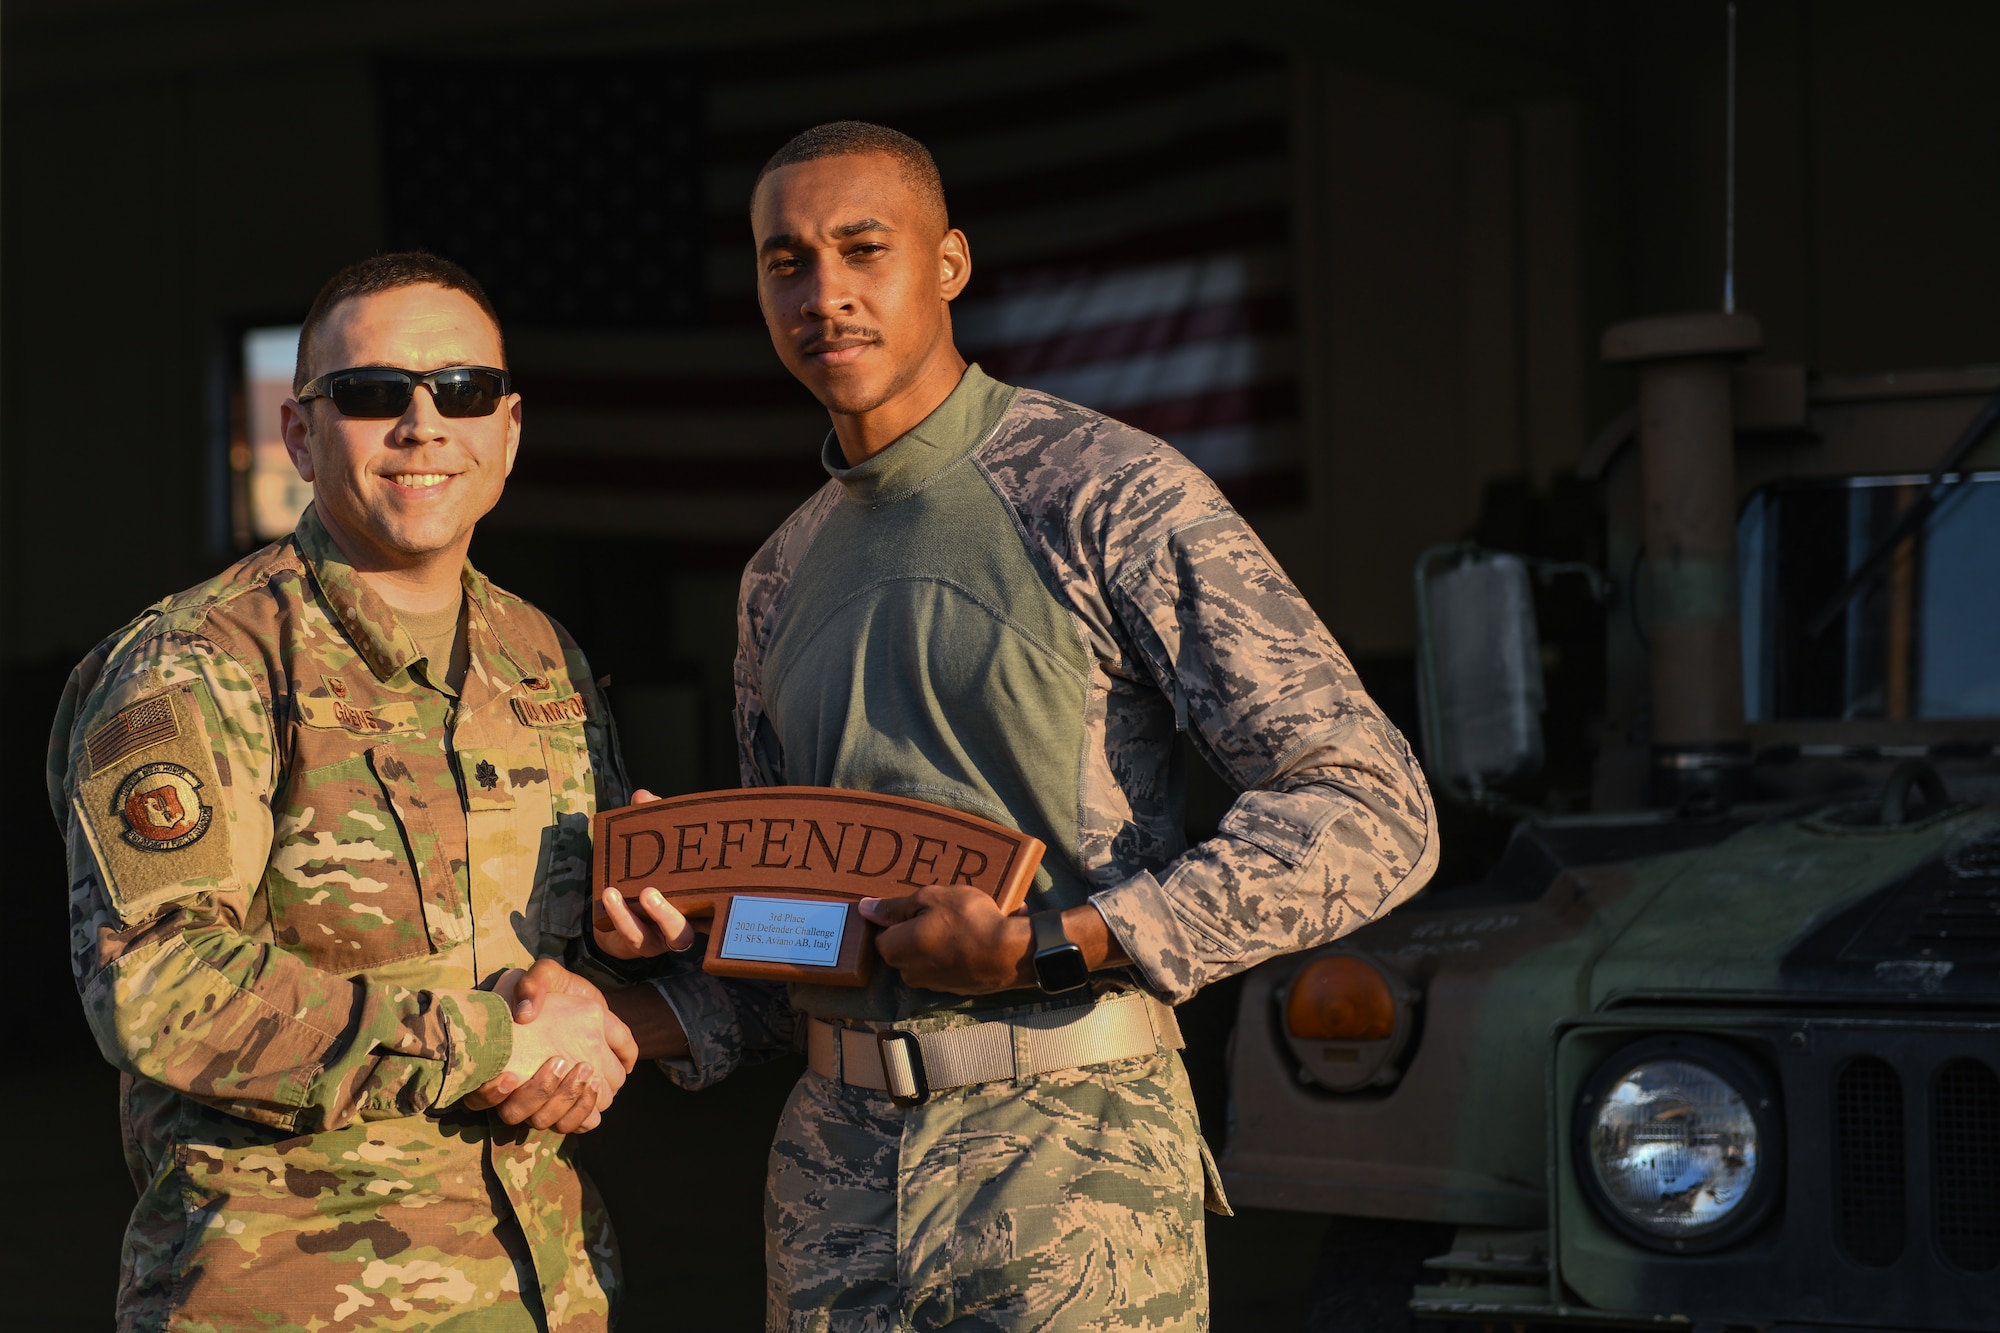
(840, 335)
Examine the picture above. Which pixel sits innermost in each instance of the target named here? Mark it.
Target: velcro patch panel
(153, 815)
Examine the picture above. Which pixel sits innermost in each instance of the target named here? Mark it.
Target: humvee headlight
(1676, 1142)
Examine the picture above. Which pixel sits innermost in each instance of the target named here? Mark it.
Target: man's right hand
(568, 1028)
(570, 1058)
(656, 928)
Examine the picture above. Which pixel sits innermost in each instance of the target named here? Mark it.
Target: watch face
(1061, 968)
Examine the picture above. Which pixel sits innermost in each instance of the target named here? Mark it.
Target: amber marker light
(1340, 998)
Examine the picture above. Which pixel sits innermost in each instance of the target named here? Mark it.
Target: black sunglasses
(384, 391)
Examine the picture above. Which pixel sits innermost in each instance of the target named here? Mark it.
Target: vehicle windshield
(1920, 640)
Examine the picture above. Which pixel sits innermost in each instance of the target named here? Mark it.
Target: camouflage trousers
(1063, 1202)
(388, 1225)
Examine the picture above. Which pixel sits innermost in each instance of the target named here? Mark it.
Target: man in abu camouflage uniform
(317, 809)
(1011, 604)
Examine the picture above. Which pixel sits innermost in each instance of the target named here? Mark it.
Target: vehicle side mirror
(1479, 669)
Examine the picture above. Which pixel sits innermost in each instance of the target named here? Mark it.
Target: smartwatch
(1059, 964)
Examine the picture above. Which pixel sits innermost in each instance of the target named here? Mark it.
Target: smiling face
(855, 268)
(402, 496)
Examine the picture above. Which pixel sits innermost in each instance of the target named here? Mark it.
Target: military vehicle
(1723, 1049)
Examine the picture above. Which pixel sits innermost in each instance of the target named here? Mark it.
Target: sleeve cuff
(707, 1015)
(480, 1029)
(1142, 918)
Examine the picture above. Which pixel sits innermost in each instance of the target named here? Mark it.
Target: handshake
(571, 1053)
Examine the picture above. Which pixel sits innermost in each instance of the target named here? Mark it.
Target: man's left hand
(953, 937)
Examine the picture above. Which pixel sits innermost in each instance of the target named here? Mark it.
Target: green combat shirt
(297, 859)
(1016, 610)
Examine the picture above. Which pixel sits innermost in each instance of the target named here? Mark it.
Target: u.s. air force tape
(554, 712)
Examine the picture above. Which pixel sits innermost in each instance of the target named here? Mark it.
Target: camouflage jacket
(296, 858)
(1169, 615)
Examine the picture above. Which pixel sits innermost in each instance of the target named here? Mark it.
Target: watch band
(1049, 932)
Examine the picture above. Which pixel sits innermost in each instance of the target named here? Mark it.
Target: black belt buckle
(920, 1087)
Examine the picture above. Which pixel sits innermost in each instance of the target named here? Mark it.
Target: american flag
(1124, 190)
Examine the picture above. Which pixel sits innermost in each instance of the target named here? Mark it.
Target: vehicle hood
(1797, 907)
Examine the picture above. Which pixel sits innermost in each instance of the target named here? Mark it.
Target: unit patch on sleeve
(162, 807)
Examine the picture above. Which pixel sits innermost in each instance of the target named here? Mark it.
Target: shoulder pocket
(150, 804)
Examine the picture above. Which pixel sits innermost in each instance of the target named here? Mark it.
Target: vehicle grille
(1869, 1146)
(1965, 1138)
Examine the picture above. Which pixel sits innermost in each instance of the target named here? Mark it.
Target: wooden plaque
(736, 858)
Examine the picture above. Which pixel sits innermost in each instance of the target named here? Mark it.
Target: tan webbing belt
(909, 1066)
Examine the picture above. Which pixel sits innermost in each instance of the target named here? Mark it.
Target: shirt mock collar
(954, 429)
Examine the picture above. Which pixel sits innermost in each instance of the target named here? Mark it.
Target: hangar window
(1918, 640)
(268, 494)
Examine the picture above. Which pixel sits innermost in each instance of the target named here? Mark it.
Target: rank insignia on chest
(161, 807)
(486, 775)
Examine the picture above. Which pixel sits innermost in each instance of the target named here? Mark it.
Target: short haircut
(846, 138)
(387, 273)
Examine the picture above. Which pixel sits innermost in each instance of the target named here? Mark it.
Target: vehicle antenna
(1729, 179)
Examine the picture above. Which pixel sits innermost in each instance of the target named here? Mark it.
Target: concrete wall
(1864, 193)
(143, 214)
(1444, 299)
(1483, 188)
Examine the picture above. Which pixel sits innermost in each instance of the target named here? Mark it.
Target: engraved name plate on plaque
(807, 932)
(732, 860)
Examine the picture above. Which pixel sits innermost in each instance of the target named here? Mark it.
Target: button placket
(509, 824)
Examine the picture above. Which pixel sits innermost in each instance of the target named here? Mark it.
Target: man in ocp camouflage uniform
(1012, 605)
(317, 809)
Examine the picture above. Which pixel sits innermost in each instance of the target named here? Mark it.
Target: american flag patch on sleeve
(148, 722)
